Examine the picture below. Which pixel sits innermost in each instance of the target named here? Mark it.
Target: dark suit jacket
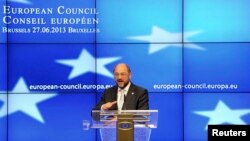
(136, 99)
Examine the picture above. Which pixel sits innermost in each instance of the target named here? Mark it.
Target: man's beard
(122, 87)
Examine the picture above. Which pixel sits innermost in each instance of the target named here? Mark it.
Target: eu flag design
(136, 18)
(46, 114)
(3, 66)
(223, 66)
(220, 21)
(3, 121)
(33, 61)
(160, 35)
(3, 35)
(191, 55)
(205, 109)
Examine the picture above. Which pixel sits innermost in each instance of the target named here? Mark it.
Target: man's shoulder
(113, 88)
(139, 88)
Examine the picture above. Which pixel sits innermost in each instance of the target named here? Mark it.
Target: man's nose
(119, 76)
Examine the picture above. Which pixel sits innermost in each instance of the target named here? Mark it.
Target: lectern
(126, 125)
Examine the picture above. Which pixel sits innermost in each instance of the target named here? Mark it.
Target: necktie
(121, 100)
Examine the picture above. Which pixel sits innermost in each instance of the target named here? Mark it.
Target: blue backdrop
(191, 55)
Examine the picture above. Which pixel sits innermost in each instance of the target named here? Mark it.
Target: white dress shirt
(120, 96)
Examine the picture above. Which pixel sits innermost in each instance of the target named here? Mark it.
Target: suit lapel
(130, 93)
(114, 93)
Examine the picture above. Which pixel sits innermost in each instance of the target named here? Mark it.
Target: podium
(125, 125)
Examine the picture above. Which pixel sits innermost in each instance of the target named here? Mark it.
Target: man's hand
(111, 122)
(108, 105)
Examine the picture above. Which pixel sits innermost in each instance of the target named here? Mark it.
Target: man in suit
(125, 95)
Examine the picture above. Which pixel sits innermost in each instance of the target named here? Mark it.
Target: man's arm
(96, 116)
(99, 104)
(102, 105)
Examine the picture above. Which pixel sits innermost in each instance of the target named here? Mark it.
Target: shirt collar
(126, 88)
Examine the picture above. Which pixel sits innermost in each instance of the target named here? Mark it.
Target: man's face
(122, 75)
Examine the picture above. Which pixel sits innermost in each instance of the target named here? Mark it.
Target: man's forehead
(121, 67)
(121, 70)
